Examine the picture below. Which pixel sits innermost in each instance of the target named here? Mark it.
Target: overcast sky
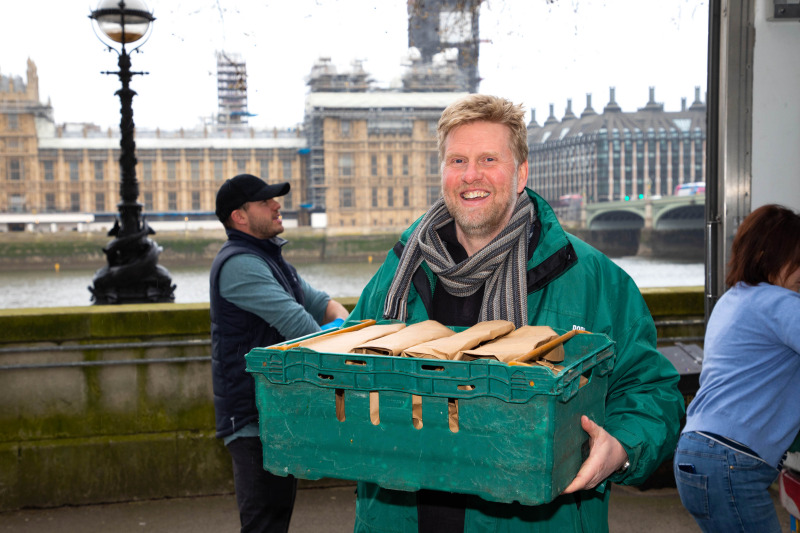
(535, 52)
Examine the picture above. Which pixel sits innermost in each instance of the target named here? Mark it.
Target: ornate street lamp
(133, 274)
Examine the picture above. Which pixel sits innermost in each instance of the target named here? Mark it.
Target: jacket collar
(272, 245)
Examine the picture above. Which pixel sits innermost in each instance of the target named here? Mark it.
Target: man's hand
(606, 456)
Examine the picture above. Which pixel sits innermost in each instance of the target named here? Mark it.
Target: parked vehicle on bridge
(690, 189)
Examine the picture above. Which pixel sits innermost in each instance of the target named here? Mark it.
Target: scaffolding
(231, 89)
(435, 26)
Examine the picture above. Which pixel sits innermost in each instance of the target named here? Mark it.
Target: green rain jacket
(570, 284)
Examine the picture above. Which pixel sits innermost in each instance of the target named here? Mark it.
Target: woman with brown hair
(745, 415)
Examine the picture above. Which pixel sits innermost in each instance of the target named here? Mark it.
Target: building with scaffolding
(436, 26)
(231, 89)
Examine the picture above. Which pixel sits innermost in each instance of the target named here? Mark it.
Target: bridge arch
(680, 217)
(616, 219)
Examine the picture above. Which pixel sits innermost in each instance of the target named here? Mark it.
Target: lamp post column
(132, 274)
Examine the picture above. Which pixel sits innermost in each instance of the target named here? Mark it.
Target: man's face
(480, 180)
(263, 218)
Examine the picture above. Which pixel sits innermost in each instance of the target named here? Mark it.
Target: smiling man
(257, 299)
(492, 249)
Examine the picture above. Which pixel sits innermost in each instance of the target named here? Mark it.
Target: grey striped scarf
(500, 265)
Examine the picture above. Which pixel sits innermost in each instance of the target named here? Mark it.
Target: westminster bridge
(669, 226)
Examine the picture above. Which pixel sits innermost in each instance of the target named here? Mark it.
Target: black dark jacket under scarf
(234, 332)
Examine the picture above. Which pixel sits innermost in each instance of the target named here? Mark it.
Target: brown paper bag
(411, 335)
(583, 380)
(448, 347)
(345, 342)
(513, 345)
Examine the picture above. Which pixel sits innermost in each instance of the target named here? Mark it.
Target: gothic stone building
(616, 155)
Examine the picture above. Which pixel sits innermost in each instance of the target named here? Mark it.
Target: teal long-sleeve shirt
(246, 281)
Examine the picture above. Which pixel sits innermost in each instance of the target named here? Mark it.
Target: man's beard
(485, 222)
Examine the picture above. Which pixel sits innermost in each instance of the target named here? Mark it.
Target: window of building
(390, 197)
(148, 201)
(218, 170)
(406, 199)
(241, 166)
(405, 165)
(344, 126)
(346, 165)
(264, 169)
(663, 159)
(433, 164)
(287, 201)
(172, 201)
(374, 197)
(687, 160)
(13, 122)
(15, 168)
(373, 165)
(147, 170)
(639, 167)
(698, 158)
(675, 146)
(50, 202)
(287, 169)
(195, 200)
(389, 166)
(433, 193)
(346, 197)
(75, 202)
(48, 170)
(99, 168)
(74, 171)
(432, 125)
(194, 166)
(99, 202)
(172, 170)
(16, 203)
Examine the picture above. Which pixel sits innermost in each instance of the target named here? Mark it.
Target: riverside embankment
(26, 250)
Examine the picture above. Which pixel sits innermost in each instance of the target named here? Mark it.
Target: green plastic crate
(518, 435)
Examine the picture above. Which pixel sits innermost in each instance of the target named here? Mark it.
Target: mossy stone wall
(114, 403)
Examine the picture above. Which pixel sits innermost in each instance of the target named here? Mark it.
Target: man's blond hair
(477, 107)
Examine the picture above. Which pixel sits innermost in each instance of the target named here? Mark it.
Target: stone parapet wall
(114, 403)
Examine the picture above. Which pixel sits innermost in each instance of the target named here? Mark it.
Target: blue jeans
(725, 490)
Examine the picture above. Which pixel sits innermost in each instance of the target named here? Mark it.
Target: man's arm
(247, 282)
(334, 310)
(643, 405)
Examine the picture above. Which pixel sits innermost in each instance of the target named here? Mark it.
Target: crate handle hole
(452, 414)
(340, 405)
(374, 408)
(434, 368)
(355, 362)
(466, 387)
(416, 411)
(325, 376)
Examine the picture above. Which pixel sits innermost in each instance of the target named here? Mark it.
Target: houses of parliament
(363, 159)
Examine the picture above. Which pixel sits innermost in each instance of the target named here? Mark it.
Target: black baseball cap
(244, 188)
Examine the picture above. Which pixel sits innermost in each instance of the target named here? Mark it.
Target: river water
(70, 287)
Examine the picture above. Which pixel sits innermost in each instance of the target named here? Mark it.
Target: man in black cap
(257, 299)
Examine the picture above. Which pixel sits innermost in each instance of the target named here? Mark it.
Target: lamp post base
(156, 288)
(133, 274)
